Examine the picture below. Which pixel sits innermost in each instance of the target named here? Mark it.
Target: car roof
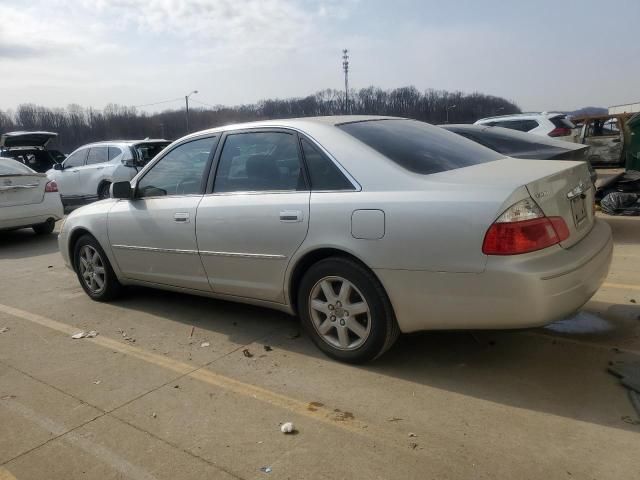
(125, 142)
(296, 123)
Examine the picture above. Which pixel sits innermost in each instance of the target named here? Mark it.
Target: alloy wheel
(92, 269)
(339, 313)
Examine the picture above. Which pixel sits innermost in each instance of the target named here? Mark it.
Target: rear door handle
(181, 217)
(290, 216)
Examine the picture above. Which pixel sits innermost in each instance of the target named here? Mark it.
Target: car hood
(26, 139)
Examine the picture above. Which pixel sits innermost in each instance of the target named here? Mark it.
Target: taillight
(51, 187)
(560, 132)
(523, 228)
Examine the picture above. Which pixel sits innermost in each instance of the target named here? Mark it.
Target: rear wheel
(45, 227)
(103, 191)
(94, 270)
(346, 311)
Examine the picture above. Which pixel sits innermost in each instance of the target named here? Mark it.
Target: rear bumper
(27, 215)
(513, 292)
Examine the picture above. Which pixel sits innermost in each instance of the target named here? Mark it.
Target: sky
(543, 55)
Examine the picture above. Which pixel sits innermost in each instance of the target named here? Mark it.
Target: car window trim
(166, 151)
(299, 134)
(216, 162)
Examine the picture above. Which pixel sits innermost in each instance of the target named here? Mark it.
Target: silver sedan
(364, 227)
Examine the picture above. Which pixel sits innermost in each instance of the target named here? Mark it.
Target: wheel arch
(73, 239)
(311, 257)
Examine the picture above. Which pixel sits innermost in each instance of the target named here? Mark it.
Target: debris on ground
(267, 348)
(265, 469)
(620, 203)
(293, 335)
(413, 445)
(8, 397)
(154, 414)
(97, 382)
(4, 329)
(411, 434)
(633, 300)
(629, 374)
(340, 416)
(192, 329)
(247, 353)
(394, 419)
(90, 334)
(287, 428)
(176, 386)
(204, 344)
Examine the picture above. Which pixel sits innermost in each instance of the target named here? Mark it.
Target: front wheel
(346, 311)
(94, 270)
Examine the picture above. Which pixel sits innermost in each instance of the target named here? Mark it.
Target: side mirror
(121, 190)
(129, 162)
(58, 166)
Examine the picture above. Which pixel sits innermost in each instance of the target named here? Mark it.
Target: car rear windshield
(12, 167)
(147, 150)
(418, 146)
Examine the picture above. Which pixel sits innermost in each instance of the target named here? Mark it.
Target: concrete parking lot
(181, 387)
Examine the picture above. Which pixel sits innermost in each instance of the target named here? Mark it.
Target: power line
(156, 103)
(204, 103)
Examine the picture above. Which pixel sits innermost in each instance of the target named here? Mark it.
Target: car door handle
(75, 171)
(181, 217)
(290, 216)
(99, 168)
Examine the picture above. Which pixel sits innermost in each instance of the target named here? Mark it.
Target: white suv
(89, 171)
(552, 124)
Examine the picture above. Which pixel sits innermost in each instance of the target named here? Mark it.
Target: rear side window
(114, 152)
(562, 122)
(325, 175)
(419, 147)
(76, 159)
(146, 151)
(520, 125)
(97, 155)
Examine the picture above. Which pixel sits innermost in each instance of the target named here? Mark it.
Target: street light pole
(450, 107)
(186, 104)
(345, 67)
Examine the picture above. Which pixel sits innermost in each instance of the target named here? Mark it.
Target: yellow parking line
(316, 412)
(6, 474)
(622, 286)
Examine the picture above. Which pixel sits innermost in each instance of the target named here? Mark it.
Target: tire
(327, 319)
(94, 270)
(45, 228)
(103, 191)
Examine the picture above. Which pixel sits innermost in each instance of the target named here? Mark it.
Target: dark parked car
(30, 148)
(523, 145)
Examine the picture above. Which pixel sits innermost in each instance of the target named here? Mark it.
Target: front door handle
(290, 216)
(181, 217)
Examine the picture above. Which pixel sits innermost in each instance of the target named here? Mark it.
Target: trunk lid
(22, 189)
(19, 185)
(26, 139)
(569, 194)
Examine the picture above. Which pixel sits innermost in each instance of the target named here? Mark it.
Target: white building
(627, 108)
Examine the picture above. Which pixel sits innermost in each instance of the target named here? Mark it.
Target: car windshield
(11, 167)
(418, 146)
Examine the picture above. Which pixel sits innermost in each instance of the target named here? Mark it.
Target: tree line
(77, 125)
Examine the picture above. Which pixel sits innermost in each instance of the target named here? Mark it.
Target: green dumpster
(632, 142)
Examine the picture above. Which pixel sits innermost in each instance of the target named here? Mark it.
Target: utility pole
(450, 107)
(345, 67)
(186, 104)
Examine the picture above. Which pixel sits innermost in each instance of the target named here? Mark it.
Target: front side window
(97, 155)
(76, 159)
(325, 175)
(418, 146)
(179, 172)
(260, 161)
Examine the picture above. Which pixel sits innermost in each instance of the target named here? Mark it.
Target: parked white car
(89, 171)
(551, 124)
(27, 198)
